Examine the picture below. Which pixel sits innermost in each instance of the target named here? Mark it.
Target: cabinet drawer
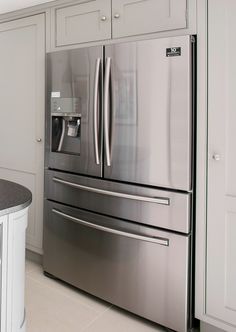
(138, 268)
(159, 208)
(83, 22)
(133, 17)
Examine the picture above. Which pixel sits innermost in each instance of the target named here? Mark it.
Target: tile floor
(52, 306)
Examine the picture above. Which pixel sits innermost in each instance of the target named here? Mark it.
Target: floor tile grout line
(62, 293)
(96, 318)
(70, 297)
(30, 271)
(36, 276)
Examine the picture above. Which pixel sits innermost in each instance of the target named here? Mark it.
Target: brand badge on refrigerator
(173, 51)
(55, 94)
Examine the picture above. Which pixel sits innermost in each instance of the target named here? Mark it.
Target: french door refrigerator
(118, 176)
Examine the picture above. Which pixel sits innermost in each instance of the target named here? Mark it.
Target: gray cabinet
(221, 217)
(133, 17)
(215, 291)
(87, 21)
(215, 248)
(82, 22)
(22, 108)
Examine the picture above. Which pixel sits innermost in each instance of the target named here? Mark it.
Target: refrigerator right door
(148, 112)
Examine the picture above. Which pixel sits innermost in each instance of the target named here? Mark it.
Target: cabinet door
(221, 222)
(133, 17)
(22, 105)
(83, 22)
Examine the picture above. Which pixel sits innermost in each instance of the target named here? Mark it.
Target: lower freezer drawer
(135, 267)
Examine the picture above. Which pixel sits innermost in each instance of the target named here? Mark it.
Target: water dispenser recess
(65, 125)
(73, 127)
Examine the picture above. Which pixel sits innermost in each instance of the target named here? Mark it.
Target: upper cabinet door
(221, 219)
(83, 22)
(133, 17)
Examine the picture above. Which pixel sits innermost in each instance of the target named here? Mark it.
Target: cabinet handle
(103, 18)
(117, 15)
(39, 140)
(216, 157)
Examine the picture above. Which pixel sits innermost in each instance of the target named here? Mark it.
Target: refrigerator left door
(74, 111)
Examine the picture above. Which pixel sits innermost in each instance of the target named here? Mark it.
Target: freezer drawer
(137, 268)
(154, 207)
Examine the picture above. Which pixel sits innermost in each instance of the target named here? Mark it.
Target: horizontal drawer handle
(157, 200)
(157, 240)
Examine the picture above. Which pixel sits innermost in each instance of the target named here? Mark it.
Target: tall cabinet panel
(22, 68)
(221, 222)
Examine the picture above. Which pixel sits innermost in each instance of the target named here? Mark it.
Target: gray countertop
(13, 197)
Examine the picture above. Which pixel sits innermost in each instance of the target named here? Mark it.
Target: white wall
(11, 5)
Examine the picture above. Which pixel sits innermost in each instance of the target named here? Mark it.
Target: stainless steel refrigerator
(118, 176)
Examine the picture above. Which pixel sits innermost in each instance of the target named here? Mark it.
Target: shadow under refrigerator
(118, 177)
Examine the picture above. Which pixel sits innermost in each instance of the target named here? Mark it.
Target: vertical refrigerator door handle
(96, 109)
(106, 111)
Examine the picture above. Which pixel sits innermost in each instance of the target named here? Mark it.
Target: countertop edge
(15, 208)
(13, 197)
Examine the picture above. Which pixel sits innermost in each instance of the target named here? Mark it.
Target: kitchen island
(14, 203)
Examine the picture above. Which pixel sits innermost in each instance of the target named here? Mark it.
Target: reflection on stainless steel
(119, 185)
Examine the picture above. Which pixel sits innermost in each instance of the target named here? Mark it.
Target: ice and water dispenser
(65, 125)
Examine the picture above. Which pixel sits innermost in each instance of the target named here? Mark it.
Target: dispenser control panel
(65, 106)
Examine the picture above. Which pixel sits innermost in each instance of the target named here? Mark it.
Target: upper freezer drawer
(154, 207)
